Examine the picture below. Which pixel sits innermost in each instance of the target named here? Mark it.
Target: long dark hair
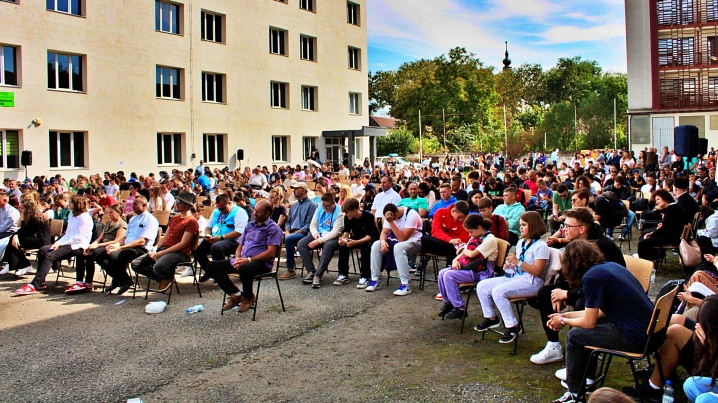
(578, 257)
(707, 351)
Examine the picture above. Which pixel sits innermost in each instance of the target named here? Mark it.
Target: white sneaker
(372, 286)
(549, 354)
(404, 289)
(561, 374)
(5, 269)
(589, 382)
(21, 272)
(362, 283)
(187, 272)
(439, 297)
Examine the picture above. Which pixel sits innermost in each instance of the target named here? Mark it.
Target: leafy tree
(399, 141)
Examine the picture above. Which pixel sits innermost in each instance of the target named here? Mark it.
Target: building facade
(672, 50)
(144, 86)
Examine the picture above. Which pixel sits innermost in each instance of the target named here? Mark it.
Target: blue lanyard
(524, 249)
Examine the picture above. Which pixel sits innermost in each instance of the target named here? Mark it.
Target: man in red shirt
(531, 182)
(447, 231)
(103, 199)
(174, 248)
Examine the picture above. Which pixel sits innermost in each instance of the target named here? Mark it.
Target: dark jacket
(689, 205)
(33, 235)
(674, 219)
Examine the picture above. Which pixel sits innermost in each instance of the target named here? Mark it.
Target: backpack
(611, 209)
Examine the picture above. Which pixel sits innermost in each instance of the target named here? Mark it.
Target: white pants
(495, 293)
(402, 251)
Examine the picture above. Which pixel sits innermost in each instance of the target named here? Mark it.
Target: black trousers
(219, 250)
(220, 271)
(647, 246)
(545, 307)
(115, 263)
(438, 247)
(364, 260)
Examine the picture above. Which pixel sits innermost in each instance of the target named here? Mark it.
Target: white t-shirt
(410, 220)
(384, 198)
(357, 190)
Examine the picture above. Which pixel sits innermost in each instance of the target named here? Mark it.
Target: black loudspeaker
(26, 159)
(703, 147)
(685, 140)
(240, 155)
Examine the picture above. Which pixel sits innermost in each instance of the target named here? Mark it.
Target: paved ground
(332, 344)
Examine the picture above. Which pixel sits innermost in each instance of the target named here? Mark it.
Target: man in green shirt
(414, 201)
(561, 203)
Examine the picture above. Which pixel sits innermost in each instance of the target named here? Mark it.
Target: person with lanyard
(474, 263)
(225, 226)
(523, 277)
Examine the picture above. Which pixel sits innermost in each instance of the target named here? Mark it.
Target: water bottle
(667, 393)
(653, 276)
(195, 309)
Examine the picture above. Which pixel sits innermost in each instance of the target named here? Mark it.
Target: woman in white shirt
(77, 238)
(708, 237)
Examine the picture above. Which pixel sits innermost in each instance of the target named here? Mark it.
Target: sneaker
(296, 254)
(589, 383)
(455, 313)
(412, 267)
(567, 397)
(187, 272)
(404, 289)
(317, 282)
(510, 334)
(487, 324)
(288, 275)
(561, 374)
(22, 272)
(373, 286)
(89, 287)
(611, 237)
(446, 308)
(5, 269)
(646, 392)
(309, 279)
(76, 288)
(362, 283)
(41, 287)
(549, 354)
(341, 280)
(27, 289)
(439, 297)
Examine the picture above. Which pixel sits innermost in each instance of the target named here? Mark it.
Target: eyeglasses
(567, 226)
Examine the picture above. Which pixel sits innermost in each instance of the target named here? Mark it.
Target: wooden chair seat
(635, 356)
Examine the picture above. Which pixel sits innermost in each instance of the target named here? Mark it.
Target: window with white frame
(353, 16)
(167, 16)
(308, 145)
(278, 95)
(354, 103)
(65, 71)
(67, 149)
(279, 148)
(168, 83)
(214, 148)
(212, 27)
(10, 149)
(306, 5)
(8, 65)
(309, 95)
(713, 90)
(354, 58)
(213, 87)
(307, 48)
(712, 10)
(169, 148)
(277, 41)
(73, 7)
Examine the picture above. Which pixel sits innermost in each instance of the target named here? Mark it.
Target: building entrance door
(663, 133)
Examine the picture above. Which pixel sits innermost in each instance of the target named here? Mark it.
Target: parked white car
(398, 162)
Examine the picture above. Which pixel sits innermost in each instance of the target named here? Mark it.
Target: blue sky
(538, 31)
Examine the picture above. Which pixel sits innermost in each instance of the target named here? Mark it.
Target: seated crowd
(556, 222)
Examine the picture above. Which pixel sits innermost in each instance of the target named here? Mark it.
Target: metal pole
(615, 135)
(506, 136)
(421, 146)
(545, 147)
(575, 125)
(443, 119)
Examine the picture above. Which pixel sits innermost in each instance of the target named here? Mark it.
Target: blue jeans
(629, 223)
(290, 243)
(698, 390)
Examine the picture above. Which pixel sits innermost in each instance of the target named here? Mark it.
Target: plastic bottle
(667, 393)
(653, 276)
(196, 308)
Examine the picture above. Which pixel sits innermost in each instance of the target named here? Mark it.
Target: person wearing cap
(387, 196)
(224, 227)
(300, 217)
(684, 199)
(174, 248)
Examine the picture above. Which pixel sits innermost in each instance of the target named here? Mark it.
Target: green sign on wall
(7, 99)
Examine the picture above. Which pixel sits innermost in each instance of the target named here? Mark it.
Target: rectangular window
(67, 149)
(8, 65)
(308, 46)
(214, 148)
(277, 41)
(712, 10)
(354, 58)
(713, 50)
(354, 103)
(169, 148)
(353, 16)
(675, 12)
(73, 7)
(308, 145)
(10, 149)
(168, 83)
(306, 5)
(279, 148)
(212, 27)
(167, 17)
(278, 95)
(713, 90)
(678, 93)
(676, 52)
(213, 87)
(309, 95)
(64, 71)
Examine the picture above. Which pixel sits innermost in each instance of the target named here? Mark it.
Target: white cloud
(571, 34)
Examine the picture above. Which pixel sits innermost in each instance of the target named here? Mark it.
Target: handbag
(690, 253)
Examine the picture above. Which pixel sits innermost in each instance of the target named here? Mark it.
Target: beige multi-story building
(672, 50)
(142, 85)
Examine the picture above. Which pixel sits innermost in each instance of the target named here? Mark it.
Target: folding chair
(656, 327)
(641, 270)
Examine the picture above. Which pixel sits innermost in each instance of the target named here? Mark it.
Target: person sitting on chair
(255, 255)
(223, 229)
(511, 211)
(174, 248)
(669, 231)
(324, 232)
(359, 232)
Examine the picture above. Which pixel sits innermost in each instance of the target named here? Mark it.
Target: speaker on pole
(26, 158)
(240, 154)
(685, 140)
(703, 147)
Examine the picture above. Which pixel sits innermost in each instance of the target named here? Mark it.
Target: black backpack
(611, 209)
